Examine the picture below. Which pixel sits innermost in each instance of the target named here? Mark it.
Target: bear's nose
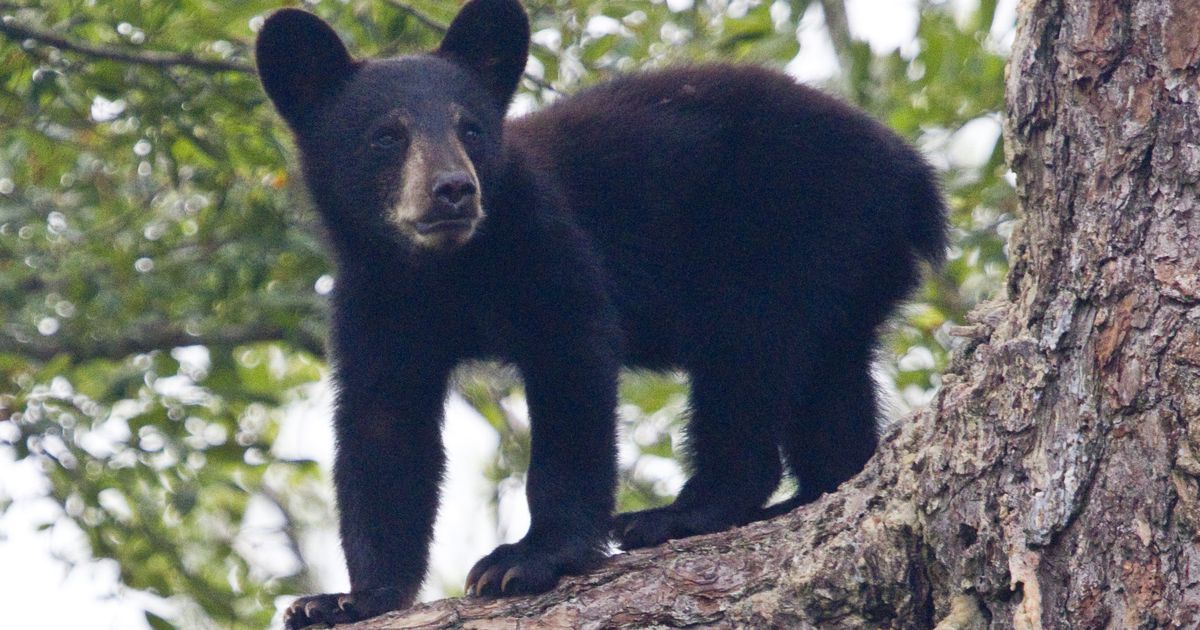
(453, 188)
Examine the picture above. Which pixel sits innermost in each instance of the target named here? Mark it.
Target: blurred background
(164, 438)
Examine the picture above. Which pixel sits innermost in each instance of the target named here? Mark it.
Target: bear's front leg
(331, 608)
(572, 395)
(387, 470)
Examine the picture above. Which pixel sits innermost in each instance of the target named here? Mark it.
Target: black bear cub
(717, 219)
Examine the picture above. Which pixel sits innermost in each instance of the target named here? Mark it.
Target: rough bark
(1055, 480)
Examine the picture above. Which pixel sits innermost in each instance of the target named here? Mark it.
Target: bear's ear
(301, 61)
(491, 38)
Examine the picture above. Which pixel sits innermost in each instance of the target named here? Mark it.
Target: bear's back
(701, 180)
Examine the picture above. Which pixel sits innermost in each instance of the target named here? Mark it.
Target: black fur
(718, 219)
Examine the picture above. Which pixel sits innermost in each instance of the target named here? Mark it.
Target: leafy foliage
(161, 280)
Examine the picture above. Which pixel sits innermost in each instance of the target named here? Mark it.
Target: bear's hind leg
(831, 432)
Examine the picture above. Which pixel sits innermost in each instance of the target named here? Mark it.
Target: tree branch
(838, 26)
(19, 33)
(438, 27)
(851, 559)
(158, 336)
(416, 14)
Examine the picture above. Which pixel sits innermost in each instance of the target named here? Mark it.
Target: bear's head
(402, 149)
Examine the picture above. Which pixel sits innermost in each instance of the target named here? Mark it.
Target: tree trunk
(1055, 480)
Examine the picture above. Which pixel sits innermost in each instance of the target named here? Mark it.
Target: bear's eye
(387, 138)
(471, 131)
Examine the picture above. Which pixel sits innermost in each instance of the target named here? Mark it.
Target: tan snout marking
(414, 185)
(426, 158)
